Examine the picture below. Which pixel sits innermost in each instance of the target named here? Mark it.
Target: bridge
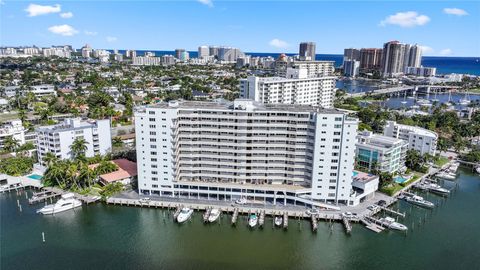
(399, 89)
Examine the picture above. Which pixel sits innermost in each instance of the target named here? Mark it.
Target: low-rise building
(420, 139)
(383, 153)
(57, 139)
(364, 186)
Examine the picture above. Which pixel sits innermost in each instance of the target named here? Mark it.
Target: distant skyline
(446, 28)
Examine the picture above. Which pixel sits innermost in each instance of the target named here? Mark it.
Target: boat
(478, 169)
(466, 100)
(420, 201)
(66, 202)
(252, 220)
(424, 102)
(392, 224)
(437, 189)
(184, 214)
(214, 215)
(445, 175)
(278, 221)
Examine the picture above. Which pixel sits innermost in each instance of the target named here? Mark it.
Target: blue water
(444, 65)
(399, 179)
(35, 176)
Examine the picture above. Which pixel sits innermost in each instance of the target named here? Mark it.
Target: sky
(447, 28)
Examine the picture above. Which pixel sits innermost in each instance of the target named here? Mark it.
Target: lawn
(441, 161)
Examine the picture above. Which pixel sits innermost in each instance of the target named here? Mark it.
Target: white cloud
(206, 2)
(427, 50)
(90, 33)
(66, 15)
(64, 30)
(36, 10)
(112, 39)
(278, 43)
(455, 11)
(406, 19)
(445, 52)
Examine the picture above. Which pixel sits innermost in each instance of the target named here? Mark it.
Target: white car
(145, 200)
(373, 207)
(241, 201)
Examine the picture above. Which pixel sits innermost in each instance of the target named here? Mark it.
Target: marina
(152, 228)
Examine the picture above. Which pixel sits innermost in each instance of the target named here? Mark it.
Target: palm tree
(50, 159)
(10, 144)
(79, 147)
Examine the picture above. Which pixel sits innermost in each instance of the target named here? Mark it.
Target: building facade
(370, 58)
(420, 139)
(307, 51)
(57, 139)
(351, 68)
(319, 91)
(13, 129)
(225, 151)
(383, 153)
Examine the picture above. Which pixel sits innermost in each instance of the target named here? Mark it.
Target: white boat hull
(54, 209)
(214, 215)
(252, 222)
(184, 216)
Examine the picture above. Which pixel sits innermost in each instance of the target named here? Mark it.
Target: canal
(119, 237)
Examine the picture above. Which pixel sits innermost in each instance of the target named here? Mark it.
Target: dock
(45, 194)
(388, 210)
(235, 216)
(314, 223)
(285, 220)
(177, 212)
(261, 220)
(8, 188)
(347, 225)
(206, 214)
(372, 226)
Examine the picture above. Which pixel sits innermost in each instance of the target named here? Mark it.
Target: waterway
(118, 237)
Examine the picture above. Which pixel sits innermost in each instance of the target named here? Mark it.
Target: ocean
(444, 65)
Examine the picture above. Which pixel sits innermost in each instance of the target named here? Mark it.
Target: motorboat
(424, 102)
(445, 175)
(477, 169)
(252, 220)
(278, 221)
(392, 224)
(420, 201)
(437, 189)
(66, 202)
(184, 214)
(214, 215)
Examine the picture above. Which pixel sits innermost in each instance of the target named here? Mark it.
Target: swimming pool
(355, 173)
(35, 176)
(400, 179)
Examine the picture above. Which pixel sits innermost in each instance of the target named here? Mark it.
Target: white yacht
(66, 202)
(252, 220)
(184, 214)
(437, 189)
(420, 201)
(278, 221)
(445, 175)
(478, 169)
(214, 215)
(392, 224)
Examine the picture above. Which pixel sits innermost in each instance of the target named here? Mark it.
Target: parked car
(373, 207)
(381, 203)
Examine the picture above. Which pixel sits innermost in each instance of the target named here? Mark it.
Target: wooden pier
(392, 211)
(8, 188)
(206, 214)
(372, 226)
(347, 225)
(261, 220)
(285, 220)
(314, 223)
(235, 216)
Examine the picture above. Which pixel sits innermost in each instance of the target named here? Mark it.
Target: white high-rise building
(57, 139)
(304, 69)
(316, 91)
(203, 52)
(420, 139)
(146, 61)
(227, 150)
(87, 51)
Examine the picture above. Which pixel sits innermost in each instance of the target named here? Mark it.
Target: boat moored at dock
(66, 202)
(252, 220)
(214, 215)
(278, 221)
(420, 201)
(390, 223)
(184, 214)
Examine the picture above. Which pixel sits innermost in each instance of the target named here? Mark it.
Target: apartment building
(282, 154)
(317, 91)
(374, 151)
(58, 138)
(420, 139)
(14, 129)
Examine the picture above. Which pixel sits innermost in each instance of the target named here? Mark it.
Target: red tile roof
(126, 169)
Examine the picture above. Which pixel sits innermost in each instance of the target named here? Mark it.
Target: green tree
(78, 148)
(10, 144)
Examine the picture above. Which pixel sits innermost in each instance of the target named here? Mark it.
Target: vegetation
(110, 190)
(16, 166)
(472, 156)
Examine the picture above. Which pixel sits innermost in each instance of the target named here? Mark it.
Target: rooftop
(126, 169)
